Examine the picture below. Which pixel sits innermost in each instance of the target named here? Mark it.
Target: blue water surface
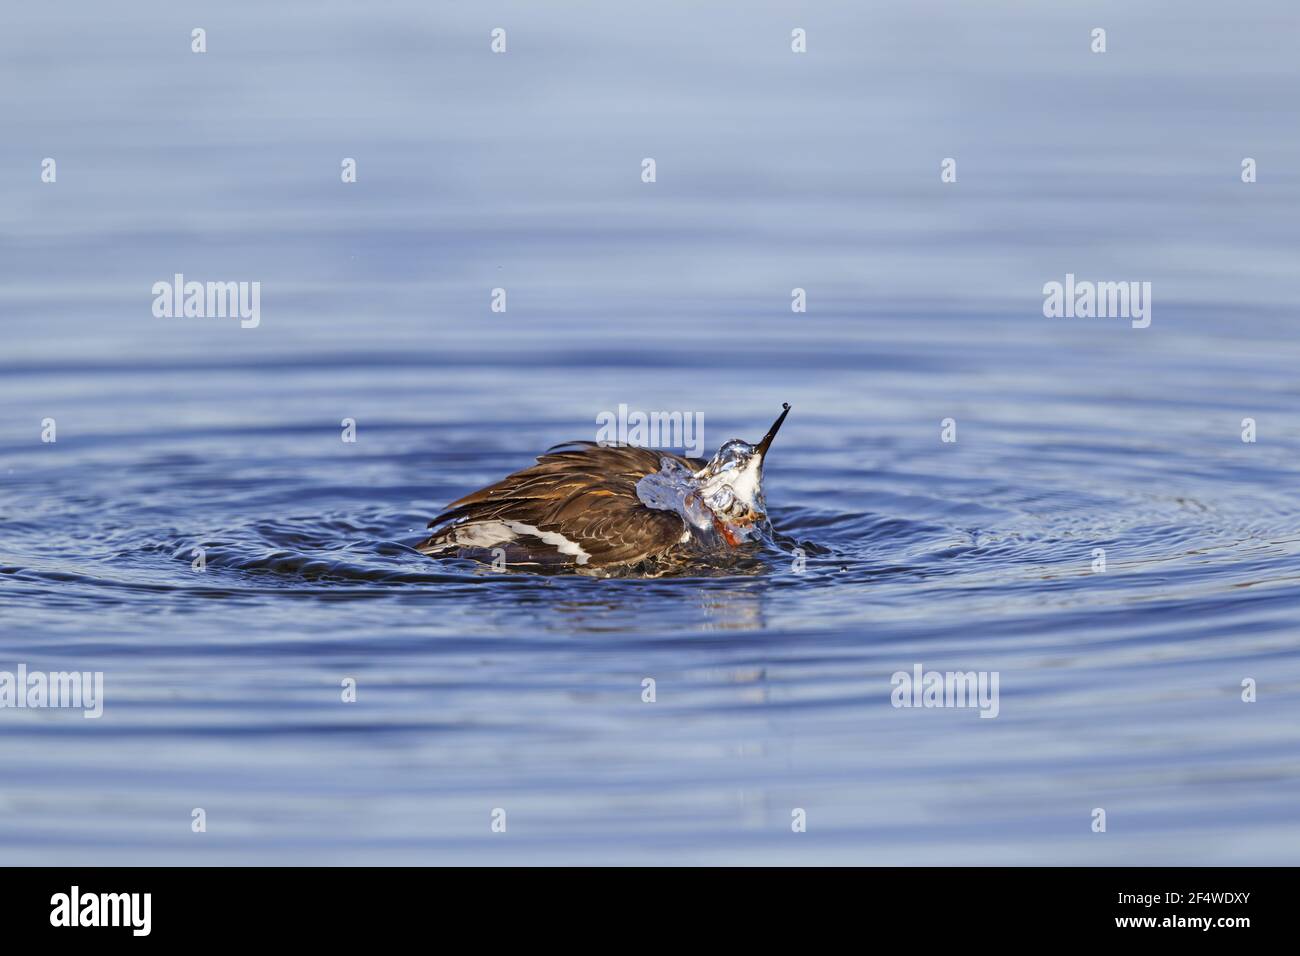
(1119, 689)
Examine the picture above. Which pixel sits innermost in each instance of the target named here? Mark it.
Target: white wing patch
(485, 534)
(482, 534)
(553, 538)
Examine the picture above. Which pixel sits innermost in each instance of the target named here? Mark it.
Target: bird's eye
(735, 450)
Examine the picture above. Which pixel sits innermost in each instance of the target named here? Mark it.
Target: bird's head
(730, 486)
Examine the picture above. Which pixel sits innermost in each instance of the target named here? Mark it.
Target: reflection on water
(1120, 688)
(732, 611)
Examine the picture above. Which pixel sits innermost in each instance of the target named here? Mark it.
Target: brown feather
(585, 492)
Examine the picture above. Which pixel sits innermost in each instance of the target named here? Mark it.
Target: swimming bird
(599, 508)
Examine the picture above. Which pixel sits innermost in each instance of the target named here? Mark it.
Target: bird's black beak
(771, 432)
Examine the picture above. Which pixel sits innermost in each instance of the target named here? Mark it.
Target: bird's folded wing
(579, 500)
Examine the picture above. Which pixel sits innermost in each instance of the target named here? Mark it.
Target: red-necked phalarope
(591, 507)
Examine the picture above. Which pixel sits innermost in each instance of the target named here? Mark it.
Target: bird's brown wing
(577, 505)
